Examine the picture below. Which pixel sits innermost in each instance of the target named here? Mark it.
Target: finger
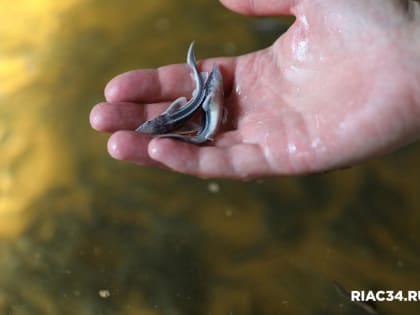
(161, 84)
(242, 161)
(131, 146)
(110, 117)
(149, 85)
(260, 7)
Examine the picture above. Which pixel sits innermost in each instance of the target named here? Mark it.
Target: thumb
(260, 7)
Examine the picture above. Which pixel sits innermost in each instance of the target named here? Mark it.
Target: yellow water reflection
(25, 32)
(32, 158)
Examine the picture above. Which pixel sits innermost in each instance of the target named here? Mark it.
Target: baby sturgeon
(212, 110)
(179, 111)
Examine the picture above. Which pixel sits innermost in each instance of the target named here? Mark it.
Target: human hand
(340, 86)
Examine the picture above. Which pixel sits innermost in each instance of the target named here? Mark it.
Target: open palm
(335, 89)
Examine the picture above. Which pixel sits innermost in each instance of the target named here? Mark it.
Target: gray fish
(213, 110)
(177, 112)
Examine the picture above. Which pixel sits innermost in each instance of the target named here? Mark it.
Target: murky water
(81, 233)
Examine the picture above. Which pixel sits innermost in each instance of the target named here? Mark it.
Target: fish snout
(147, 127)
(155, 126)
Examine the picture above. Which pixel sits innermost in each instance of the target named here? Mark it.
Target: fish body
(212, 110)
(176, 114)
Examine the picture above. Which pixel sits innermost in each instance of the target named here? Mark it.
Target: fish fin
(206, 104)
(175, 105)
(188, 128)
(192, 127)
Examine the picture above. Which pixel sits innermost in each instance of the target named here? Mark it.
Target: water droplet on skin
(300, 45)
(291, 148)
(315, 143)
(238, 89)
(301, 50)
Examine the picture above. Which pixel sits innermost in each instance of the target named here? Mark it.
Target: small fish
(178, 112)
(213, 110)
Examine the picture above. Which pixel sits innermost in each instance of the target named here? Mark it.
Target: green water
(81, 233)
